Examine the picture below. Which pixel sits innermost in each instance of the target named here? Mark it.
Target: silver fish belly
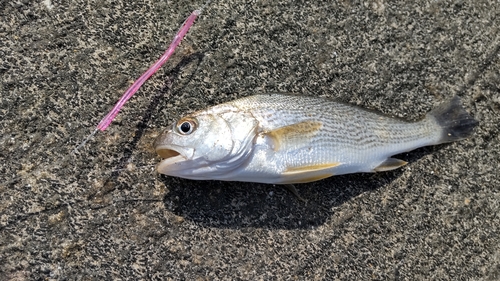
(283, 139)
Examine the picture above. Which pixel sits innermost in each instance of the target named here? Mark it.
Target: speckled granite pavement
(97, 216)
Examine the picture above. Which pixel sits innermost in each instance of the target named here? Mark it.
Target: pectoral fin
(293, 135)
(390, 164)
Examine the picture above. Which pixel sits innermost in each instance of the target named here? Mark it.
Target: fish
(289, 139)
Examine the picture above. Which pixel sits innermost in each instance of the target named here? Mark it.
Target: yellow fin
(309, 169)
(309, 173)
(307, 179)
(390, 164)
(298, 133)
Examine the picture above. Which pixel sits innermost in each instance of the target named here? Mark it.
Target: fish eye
(186, 127)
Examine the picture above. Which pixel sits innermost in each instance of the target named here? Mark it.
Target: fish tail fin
(455, 122)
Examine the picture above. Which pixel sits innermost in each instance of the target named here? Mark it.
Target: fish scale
(281, 139)
(344, 125)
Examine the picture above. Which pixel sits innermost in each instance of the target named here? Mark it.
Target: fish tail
(455, 122)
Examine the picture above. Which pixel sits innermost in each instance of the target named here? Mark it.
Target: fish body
(284, 139)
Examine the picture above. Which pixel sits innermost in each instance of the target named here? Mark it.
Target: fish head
(206, 145)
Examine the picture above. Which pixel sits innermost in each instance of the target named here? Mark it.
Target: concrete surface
(97, 216)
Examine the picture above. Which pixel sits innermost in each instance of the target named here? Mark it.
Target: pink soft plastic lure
(138, 83)
(106, 121)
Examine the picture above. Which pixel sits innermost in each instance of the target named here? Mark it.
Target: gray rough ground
(92, 216)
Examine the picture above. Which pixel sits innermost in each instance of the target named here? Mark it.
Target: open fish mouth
(173, 154)
(166, 153)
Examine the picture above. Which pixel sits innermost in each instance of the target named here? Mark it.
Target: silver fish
(284, 139)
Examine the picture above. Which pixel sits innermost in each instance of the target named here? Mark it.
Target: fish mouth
(173, 154)
(167, 153)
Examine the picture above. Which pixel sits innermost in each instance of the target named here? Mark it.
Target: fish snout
(165, 148)
(160, 145)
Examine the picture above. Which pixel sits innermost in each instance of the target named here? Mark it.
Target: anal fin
(390, 164)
